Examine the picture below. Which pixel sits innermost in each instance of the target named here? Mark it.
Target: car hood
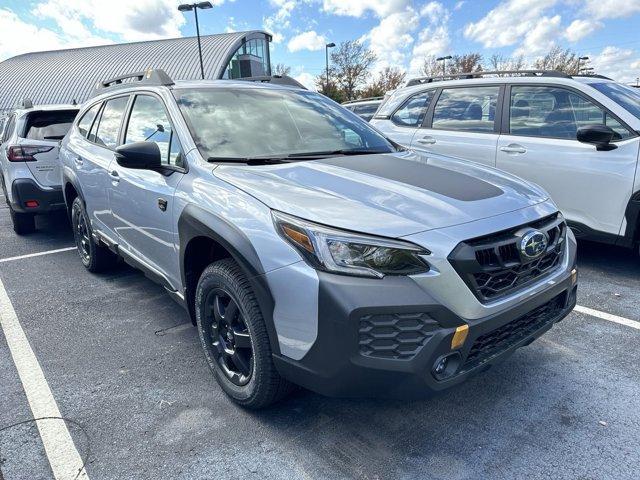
(392, 195)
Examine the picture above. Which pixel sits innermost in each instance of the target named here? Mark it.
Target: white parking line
(38, 254)
(608, 316)
(63, 457)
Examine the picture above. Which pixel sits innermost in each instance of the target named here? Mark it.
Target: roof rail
(593, 75)
(275, 79)
(148, 77)
(468, 75)
(26, 103)
(366, 99)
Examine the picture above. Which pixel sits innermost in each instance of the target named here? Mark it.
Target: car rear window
(49, 125)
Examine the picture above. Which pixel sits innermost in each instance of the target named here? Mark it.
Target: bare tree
(469, 62)
(351, 63)
(331, 88)
(558, 59)
(388, 79)
(281, 69)
(499, 62)
(431, 67)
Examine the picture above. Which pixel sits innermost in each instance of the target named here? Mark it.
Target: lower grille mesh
(497, 341)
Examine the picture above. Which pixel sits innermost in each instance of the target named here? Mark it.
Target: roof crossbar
(468, 75)
(275, 79)
(149, 77)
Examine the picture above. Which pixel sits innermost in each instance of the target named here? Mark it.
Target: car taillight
(25, 153)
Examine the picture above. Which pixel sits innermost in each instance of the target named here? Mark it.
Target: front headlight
(339, 251)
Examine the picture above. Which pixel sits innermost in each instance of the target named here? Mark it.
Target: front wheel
(234, 337)
(94, 257)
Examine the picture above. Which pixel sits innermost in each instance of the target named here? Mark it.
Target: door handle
(78, 160)
(426, 141)
(513, 148)
(162, 204)
(115, 177)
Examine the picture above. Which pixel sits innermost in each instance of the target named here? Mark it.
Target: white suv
(577, 137)
(29, 161)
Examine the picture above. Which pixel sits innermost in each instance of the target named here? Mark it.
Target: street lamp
(187, 7)
(326, 57)
(579, 59)
(444, 63)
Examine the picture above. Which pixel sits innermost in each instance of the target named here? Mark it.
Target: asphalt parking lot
(126, 370)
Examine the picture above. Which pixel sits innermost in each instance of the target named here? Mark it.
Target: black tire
(23, 223)
(95, 257)
(258, 384)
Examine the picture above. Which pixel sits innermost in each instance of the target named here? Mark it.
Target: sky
(400, 32)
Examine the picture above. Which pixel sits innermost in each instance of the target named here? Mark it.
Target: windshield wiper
(249, 160)
(344, 151)
(274, 159)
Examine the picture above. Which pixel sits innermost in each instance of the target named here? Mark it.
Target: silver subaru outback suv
(307, 248)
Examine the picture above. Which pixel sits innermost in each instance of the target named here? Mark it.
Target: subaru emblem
(533, 244)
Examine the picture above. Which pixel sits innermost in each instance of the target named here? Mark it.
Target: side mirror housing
(598, 135)
(139, 155)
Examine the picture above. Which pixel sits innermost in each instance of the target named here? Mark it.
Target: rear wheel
(94, 256)
(23, 223)
(234, 337)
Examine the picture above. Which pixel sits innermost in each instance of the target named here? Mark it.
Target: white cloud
(509, 22)
(541, 38)
(22, 37)
(601, 9)
(618, 63)
(433, 39)
(308, 80)
(459, 5)
(306, 41)
(391, 37)
(357, 8)
(578, 29)
(280, 20)
(139, 20)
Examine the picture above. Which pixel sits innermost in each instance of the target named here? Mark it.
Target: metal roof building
(62, 76)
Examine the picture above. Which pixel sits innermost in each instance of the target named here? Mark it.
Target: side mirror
(598, 135)
(140, 155)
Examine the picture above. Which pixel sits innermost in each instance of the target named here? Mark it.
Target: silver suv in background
(308, 248)
(29, 161)
(365, 107)
(578, 137)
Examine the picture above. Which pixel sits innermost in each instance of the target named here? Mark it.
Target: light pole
(579, 60)
(187, 7)
(326, 58)
(444, 63)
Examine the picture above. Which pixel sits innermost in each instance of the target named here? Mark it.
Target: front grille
(396, 335)
(492, 266)
(497, 341)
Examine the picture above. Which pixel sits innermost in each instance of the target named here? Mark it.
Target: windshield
(240, 123)
(628, 97)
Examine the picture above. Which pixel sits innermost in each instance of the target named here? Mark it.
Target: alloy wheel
(226, 331)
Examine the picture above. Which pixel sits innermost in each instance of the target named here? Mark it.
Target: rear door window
(469, 109)
(110, 121)
(8, 130)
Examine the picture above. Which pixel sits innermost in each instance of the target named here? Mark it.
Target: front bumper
(383, 338)
(25, 190)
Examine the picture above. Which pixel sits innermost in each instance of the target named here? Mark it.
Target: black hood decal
(442, 181)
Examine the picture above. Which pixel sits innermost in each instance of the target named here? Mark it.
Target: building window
(250, 60)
